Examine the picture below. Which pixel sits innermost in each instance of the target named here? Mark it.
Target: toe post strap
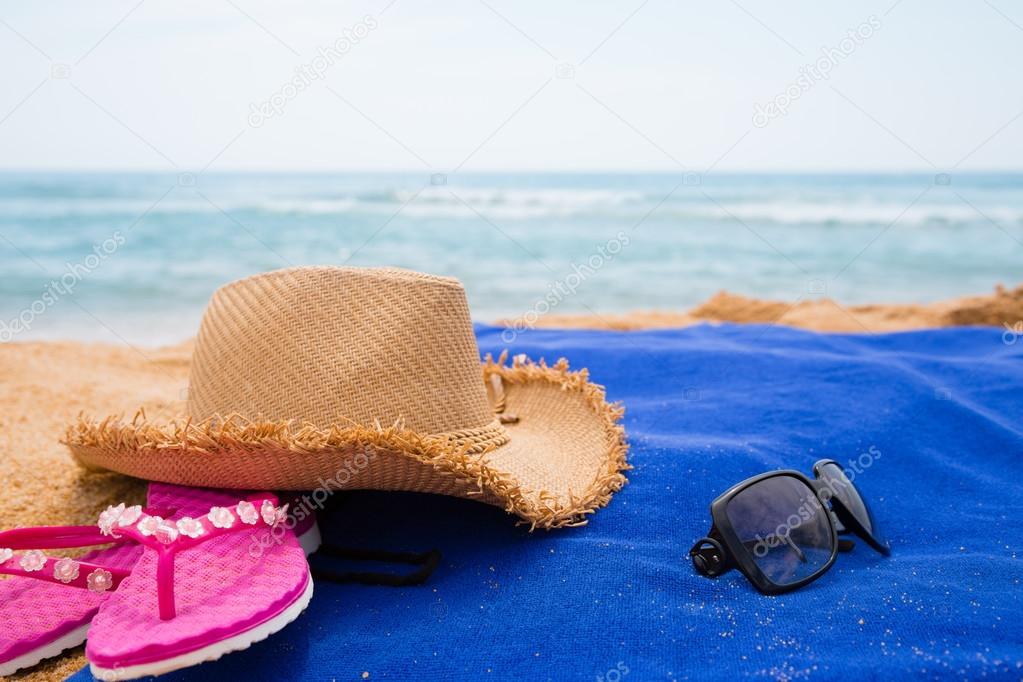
(170, 537)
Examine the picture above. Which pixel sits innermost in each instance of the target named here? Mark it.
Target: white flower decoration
(271, 514)
(33, 560)
(100, 580)
(148, 525)
(166, 533)
(247, 512)
(282, 514)
(109, 517)
(5, 555)
(129, 516)
(66, 570)
(221, 517)
(193, 528)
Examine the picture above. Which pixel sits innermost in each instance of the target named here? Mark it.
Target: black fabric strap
(426, 561)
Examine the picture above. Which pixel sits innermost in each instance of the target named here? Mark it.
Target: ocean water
(134, 257)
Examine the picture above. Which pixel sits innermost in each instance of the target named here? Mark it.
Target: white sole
(212, 652)
(309, 541)
(55, 648)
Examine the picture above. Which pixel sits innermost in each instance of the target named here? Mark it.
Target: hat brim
(564, 459)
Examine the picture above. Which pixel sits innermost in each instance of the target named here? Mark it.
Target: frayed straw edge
(610, 479)
(234, 433)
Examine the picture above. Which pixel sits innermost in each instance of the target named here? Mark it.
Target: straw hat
(348, 378)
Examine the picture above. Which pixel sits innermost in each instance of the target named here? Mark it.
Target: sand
(1003, 307)
(44, 386)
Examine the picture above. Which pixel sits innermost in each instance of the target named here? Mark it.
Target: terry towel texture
(937, 414)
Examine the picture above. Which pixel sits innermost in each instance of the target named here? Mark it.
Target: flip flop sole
(58, 646)
(214, 651)
(309, 541)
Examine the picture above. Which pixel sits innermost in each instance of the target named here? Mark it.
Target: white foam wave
(498, 203)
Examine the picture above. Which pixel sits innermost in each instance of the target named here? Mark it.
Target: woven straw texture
(353, 378)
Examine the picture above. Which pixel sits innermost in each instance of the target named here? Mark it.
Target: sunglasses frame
(717, 553)
(847, 519)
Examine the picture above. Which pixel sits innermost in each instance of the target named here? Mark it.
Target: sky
(495, 85)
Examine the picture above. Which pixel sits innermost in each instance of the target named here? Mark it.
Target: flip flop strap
(33, 563)
(62, 570)
(63, 537)
(55, 537)
(168, 537)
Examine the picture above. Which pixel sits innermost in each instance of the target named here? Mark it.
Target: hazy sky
(501, 85)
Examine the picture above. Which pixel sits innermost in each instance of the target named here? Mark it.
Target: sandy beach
(1002, 307)
(46, 385)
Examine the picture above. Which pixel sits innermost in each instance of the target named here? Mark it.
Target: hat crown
(340, 345)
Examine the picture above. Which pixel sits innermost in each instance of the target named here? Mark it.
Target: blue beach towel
(937, 414)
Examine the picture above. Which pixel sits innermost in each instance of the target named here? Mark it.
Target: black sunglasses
(781, 528)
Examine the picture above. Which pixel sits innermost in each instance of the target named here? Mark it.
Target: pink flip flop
(42, 617)
(228, 573)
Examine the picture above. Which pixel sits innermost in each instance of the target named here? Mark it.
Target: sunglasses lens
(783, 527)
(839, 485)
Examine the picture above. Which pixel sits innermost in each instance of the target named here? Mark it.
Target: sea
(134, 257)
